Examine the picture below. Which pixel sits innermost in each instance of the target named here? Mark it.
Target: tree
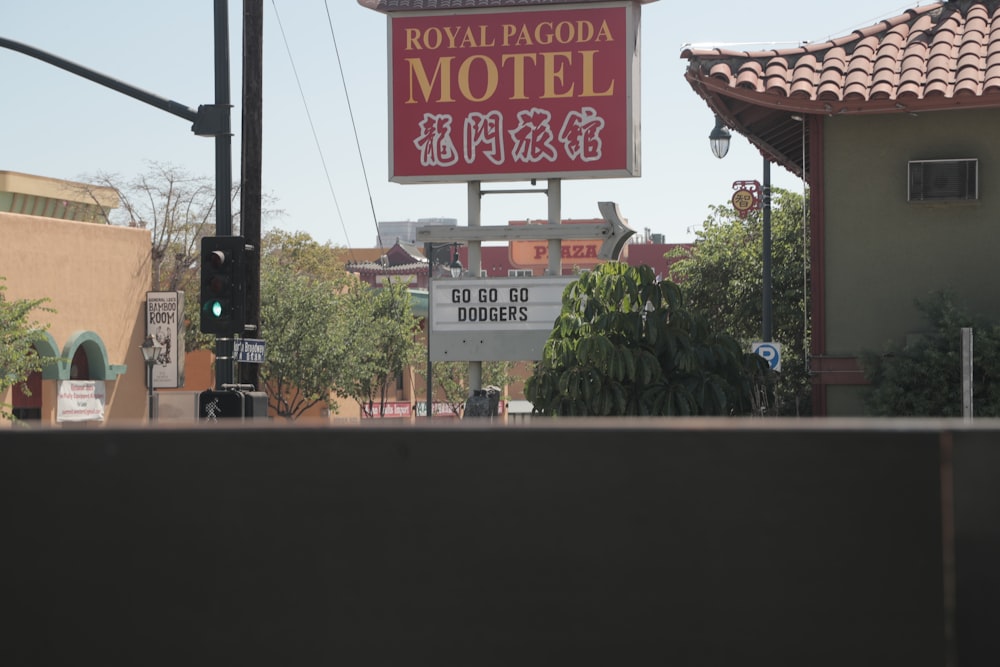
(923, 377)
(624, 344)
(18, 335)
(722, 277)
(383, 326)
(308, 339)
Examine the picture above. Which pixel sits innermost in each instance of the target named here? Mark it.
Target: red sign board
(515, 94)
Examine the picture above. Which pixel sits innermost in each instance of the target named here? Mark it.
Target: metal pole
(250, 168)
(555, 218)
(428, 250)
(149, 383)
(475, 267)
(967, 373)
(766, 315)
(223, 170)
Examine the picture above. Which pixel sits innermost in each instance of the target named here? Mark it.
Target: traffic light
(223, 285)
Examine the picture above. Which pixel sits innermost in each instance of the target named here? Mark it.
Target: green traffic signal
(223, 279)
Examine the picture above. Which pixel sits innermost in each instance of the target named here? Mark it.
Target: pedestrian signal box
(214, 405)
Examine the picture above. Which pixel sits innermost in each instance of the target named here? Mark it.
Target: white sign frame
(493, 319)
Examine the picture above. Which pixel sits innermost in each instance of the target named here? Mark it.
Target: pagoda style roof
(937, 57)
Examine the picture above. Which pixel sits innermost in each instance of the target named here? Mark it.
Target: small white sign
(770, 352)
(80, 400)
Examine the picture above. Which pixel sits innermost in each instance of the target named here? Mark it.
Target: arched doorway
(26, 397)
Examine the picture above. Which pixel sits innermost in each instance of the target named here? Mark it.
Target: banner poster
(393, 410)
(80, 400)
(165, 323)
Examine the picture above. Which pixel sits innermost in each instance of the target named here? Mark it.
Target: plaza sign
(514, 94)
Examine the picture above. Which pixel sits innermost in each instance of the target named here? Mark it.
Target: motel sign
(509, 95)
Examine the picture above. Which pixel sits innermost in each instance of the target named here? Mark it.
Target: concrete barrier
(701, 542)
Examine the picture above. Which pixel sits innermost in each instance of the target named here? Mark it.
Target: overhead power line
(357, 141)
(312, 126)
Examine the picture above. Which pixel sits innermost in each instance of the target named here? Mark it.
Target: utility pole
(250, 190)
(224, 363)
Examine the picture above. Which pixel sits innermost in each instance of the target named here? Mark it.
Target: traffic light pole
(224, 365)
(250, 172)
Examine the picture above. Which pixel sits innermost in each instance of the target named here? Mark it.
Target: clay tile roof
(940, 56)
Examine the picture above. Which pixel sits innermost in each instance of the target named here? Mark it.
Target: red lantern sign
(746, 198)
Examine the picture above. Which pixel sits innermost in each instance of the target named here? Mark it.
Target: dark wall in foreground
(577, 545)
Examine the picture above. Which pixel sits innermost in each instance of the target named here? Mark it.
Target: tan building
(54, 245)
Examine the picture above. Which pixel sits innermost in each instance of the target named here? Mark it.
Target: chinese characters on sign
(746, 198)
(513, 94)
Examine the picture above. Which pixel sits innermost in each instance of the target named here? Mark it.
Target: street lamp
(456, 266)
(150, 351)
(719, 140)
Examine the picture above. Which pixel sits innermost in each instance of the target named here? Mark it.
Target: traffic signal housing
(216, 405)
(223, 285)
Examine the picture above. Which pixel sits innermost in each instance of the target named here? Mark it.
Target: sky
(325, 136)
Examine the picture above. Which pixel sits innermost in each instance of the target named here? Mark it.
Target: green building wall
(883, 252)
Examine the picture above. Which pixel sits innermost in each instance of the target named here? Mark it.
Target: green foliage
(18, 335)
(924, 377)
(381, 327)
(624, 344)
(723, 277)
(306, 338)
(328, 334)
(301, 253)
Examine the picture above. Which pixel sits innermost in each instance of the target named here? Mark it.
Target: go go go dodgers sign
(494, 319)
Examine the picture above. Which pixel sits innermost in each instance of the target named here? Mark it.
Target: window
(519, 273)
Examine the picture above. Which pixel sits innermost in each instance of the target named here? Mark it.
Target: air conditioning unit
(943, 180)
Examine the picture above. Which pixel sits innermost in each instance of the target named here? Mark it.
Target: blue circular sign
(771, 353)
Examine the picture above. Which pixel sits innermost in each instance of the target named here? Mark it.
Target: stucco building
(896, 128)
(53, 245)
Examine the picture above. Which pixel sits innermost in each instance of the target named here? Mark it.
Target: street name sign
(249, 350)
